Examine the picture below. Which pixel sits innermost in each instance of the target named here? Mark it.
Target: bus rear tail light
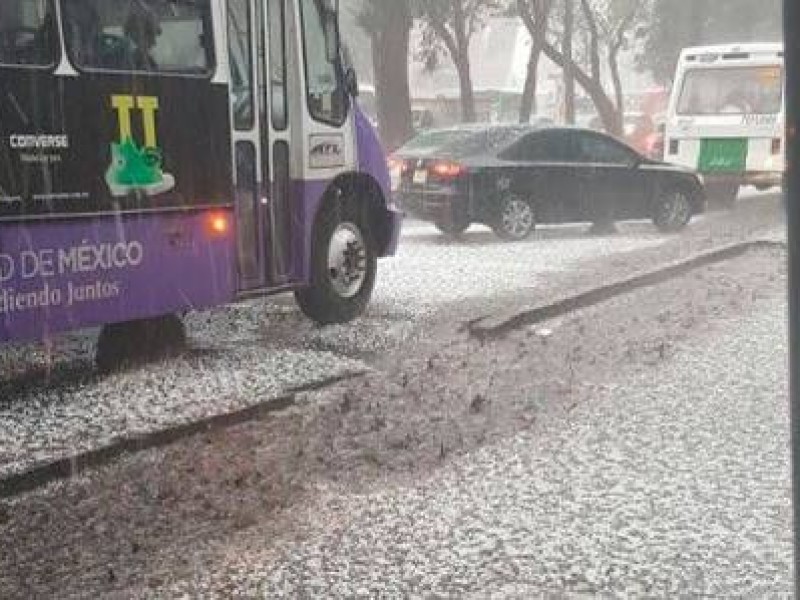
(777, 146)
(218, 224)
(446, 170)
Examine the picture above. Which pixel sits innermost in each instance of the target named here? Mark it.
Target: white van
(726, 117)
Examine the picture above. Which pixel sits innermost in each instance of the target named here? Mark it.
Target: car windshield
(387, 299)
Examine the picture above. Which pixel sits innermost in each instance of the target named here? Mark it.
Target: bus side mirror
(351, 82)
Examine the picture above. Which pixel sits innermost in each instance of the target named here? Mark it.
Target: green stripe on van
(723, 155)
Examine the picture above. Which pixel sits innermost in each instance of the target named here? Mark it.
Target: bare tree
(451, 24)
(609, 26)
(536, 15)
(569, 62)
(388, 24)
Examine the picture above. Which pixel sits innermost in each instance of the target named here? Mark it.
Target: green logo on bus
(136, 168)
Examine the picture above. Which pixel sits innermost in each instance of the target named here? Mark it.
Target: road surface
(639, 447)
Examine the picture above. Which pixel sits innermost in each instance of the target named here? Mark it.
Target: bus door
(260, 147)
(275, 136)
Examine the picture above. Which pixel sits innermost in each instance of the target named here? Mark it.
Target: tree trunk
(569, 76)
(528, 105)
(605, 106)
(390, 55)
(617, 125)
(468, 112)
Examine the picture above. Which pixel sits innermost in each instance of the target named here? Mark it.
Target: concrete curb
(72, 466)
(494, 328)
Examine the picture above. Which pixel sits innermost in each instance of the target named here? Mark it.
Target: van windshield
(742, 90)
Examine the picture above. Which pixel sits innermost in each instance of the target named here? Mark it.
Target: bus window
(27, 33)
(143, 35)
(241, 55)
(745, 90)
(277, 68)
(327, 101)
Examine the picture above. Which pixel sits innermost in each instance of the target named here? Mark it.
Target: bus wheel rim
(347, 260)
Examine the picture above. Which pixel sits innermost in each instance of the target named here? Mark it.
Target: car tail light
(777, 145)
(396, 163)
(446, 169)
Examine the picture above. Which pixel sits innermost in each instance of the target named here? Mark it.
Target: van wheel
(673, 211)
(344, 264)
(121, 345)
(516, 219)
(722, 195)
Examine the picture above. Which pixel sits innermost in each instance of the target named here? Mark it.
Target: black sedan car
(513, 177)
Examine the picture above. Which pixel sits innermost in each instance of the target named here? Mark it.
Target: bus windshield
(741, 90)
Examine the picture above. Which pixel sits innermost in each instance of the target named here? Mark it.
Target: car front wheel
(673, 211)
(516, 219)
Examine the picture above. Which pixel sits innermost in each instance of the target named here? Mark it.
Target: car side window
(600, 150)
(541, 147)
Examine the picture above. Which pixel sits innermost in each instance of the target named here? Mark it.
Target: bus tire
(722, 195)
(124, 344)
(344, 264)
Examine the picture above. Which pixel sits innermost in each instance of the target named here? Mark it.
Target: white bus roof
(733, 52)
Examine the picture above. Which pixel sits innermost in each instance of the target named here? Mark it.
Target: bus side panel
(61, 275)
(372, 160)
(76, 145)
(307, 199)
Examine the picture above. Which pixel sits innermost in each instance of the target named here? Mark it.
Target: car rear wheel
(722, 195)
(344, 265)
(516, 219)
(673, 211)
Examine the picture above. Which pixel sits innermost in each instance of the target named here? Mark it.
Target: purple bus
(160, 156)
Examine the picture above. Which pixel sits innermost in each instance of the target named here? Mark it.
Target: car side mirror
(351, 82)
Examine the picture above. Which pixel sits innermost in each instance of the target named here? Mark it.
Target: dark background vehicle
(514, 177)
